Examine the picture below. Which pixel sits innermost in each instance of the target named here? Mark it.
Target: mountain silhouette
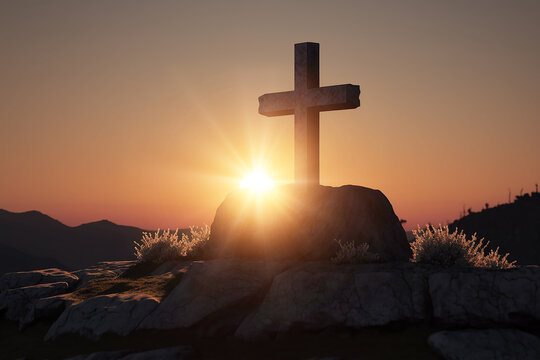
(14, 260)
(32, 240)
(513, 227)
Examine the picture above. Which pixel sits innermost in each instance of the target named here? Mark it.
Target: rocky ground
(262, 309)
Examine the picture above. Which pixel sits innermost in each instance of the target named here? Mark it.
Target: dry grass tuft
(157, 285)
(165, 246)
(352, 253)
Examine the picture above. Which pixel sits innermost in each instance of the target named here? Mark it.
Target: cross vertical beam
(306, 120)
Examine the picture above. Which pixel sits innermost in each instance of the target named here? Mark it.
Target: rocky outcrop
(317, 296)
(18, 302)
(210, 287)
(28, 296)
(102, 269)
(255, 299)
(485, 344)
(480, 298)
(117, 313)
(293, 223)
(35, 277)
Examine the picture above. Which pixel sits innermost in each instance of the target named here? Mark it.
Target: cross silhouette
(305, 102)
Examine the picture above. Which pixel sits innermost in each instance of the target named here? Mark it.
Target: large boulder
(295, 222)
(212, 287)
(487, 344)
(116, 313)
(317, 296)
(33, 295)
(484, 297)
(17, 302)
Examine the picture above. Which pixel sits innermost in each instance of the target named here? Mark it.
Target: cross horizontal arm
(276, 104)
(337, 97)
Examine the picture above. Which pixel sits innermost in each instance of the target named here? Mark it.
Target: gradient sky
(145, 112)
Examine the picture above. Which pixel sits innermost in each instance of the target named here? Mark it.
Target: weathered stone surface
(211, 286)
(255, 298)
(28, 278)
(171, 353)
(294, 223)
(482, 297)
(486, 344)
(17, 302)
(102, 269)
(316, 296)
(116, 313)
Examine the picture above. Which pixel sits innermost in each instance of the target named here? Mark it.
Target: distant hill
(32, 240)
(513, 227)
(15, 260)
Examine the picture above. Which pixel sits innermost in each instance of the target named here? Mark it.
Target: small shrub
(493, 260)
(161, 247)
(351, 253)
(439, 246)
(198, 241)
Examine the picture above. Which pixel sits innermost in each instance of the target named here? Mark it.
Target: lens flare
(257, 181)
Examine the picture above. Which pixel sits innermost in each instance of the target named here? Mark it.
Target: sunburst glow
(257, 181)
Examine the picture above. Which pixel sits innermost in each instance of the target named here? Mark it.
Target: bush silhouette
(161, 247)
(439, 246)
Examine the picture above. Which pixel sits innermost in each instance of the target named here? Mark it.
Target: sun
(257, 181)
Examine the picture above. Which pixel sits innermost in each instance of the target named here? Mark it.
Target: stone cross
(305, 102)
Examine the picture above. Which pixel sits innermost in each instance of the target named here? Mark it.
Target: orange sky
(145, 113)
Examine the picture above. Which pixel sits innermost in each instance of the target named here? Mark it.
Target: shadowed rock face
(462, 299)
(17, 302)
(171, 353)
(292, 222)
(485, 344)
(210, 286)
(315, 296)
